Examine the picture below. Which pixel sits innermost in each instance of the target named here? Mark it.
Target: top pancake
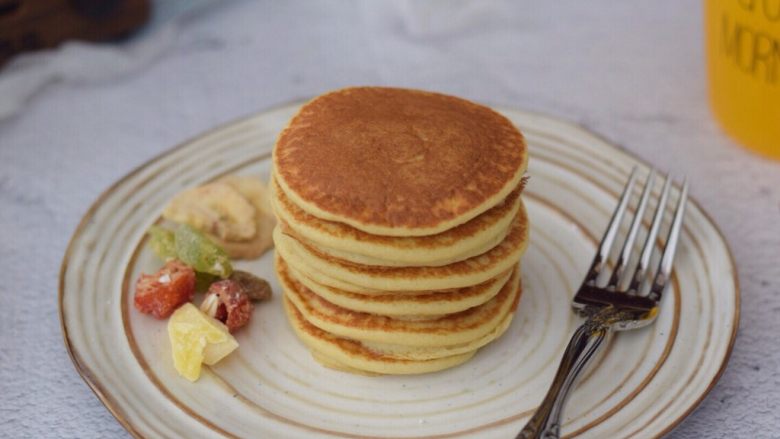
(398, 162)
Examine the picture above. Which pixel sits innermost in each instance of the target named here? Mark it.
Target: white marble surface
(632, 71)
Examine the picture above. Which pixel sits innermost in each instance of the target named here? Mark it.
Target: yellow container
(743, 61)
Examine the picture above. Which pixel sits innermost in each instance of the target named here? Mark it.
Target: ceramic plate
(647, 382)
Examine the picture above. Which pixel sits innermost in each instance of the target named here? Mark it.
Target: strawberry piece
(228, 302)
(161, 293)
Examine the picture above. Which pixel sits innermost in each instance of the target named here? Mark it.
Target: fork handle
(546, 422)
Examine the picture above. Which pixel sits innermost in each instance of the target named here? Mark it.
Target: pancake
(404, 304)
(451, 329)
(345, 242)
(351, 356)
(421, 353)
(354, 277)
(398, 352)
(398, 162)
(333, 364)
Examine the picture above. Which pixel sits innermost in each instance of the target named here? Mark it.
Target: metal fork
(627, 300)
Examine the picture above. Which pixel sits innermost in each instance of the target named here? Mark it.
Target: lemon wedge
(197, 338)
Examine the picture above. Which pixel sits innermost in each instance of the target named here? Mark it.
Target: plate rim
(117, 412)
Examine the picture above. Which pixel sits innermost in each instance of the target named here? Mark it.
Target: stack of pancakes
(400, 228)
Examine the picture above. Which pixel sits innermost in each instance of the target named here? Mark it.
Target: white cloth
(79, 118)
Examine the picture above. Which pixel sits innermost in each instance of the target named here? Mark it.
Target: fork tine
(647, 250)
(665, 266)
(609, 236)
(618, 274)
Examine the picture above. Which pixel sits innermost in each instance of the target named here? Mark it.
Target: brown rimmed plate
(647, 383)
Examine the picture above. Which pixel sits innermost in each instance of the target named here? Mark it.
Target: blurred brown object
(27, 25)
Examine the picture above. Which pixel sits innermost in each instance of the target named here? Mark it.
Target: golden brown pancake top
(398, 158)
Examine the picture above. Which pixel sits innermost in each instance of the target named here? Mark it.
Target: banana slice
(252, 189)
(234, 211)
(256, 193)
(217, 209)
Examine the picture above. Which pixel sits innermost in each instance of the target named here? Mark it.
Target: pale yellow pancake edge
(375, 253)
(400, 307)
(407, 333)
(334, 275)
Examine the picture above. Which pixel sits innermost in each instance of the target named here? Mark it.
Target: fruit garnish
(234, 212)
(200, 253)
(162, 243)
(159, 294)
(215, 208)
(256, 288)
(197, 339)
(203, 281)
(227, 302)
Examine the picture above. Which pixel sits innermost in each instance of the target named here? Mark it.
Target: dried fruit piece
(196, 339)
(203, 281)
(227, 301)
(213, 307)
(256, 288)
(162, 243)
(215, 208)
(161, 293)
(199, 252)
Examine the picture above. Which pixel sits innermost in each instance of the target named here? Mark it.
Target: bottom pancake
(351, 356)
(333, 364)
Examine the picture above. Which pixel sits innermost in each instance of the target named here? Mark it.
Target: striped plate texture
(644, 385)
